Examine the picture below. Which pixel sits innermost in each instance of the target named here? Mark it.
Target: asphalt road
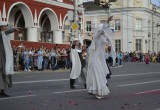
(134, 86)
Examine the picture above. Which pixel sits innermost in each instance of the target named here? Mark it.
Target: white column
(57, 37)
(131, 3)
(125, 32)
(145, 40)
(145, 3)
(130, 32)
(32, 34)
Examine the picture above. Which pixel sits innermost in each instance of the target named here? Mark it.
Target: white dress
(97, 67)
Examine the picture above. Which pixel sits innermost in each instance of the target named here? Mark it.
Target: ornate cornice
(60, 4)
(120, 10)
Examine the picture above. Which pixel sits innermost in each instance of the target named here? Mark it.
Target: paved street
(135, 86)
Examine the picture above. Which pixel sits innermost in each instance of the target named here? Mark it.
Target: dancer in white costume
(97, 68)
(6, 57)
(76, 64)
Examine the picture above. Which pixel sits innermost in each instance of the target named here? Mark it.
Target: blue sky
(156, 2)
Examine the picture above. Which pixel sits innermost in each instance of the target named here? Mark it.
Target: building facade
(136, 24)
(41, 20)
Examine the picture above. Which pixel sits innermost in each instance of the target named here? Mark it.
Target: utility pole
(73, 18)
(75, 11)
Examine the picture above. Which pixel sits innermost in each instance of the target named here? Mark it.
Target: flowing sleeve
(108, 34)
(9, 31)
(71, 55)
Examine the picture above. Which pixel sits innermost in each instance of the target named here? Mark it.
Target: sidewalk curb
(47, 71)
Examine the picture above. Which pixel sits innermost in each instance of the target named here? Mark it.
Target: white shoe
(29, 70)
(25, 70)
(98, 97)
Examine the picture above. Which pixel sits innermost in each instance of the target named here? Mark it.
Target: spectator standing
(53, 56)
(40, 59)
(46, 59)
(120, 57)
(26, 60)
(147, 58)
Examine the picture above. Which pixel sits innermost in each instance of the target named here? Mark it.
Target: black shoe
(72, 87)
(72, 81)
(90, 94)
(85, 86)
(4, 95)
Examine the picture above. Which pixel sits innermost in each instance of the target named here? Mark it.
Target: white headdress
(97, 29)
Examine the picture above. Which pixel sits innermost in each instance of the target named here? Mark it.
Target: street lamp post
(77, 21)
(75, 11)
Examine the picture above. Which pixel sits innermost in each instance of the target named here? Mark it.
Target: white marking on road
(157, 109)
(145, 92)
(30, 76)
(60, 92)
(38, 81)
(71, 91)
(17, 97)
(56, 80)
(135, 74)
(140, 83)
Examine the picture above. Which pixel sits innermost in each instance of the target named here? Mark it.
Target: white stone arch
(52, 17)
(28, 16)
(64, 21)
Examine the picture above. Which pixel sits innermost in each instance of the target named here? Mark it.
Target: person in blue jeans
(53, 56)
(120, 57)
(26, 60)
(40, 59)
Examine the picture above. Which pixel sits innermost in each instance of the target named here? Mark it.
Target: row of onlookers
(132, 57)
(141, 57)
(28, 59)
(41, 58)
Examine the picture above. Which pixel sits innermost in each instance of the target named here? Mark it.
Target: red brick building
(42, 20)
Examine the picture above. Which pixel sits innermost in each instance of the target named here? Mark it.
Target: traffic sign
(74, 26)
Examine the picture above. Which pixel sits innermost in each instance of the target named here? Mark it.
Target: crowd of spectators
(42, 58)
(133, 57)
(141, 57)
